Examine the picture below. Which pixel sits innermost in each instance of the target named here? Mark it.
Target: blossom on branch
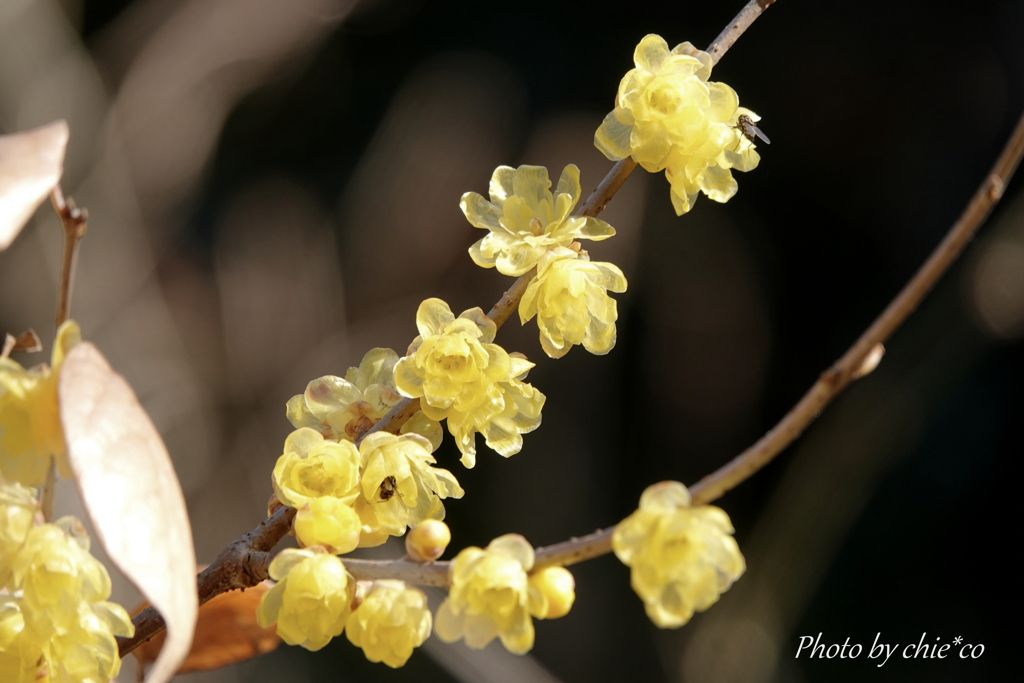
(346, 408)
(461, 376)
(312, 467)
(391, 621)
(682, 558)
(399, 487)
(510, 409)
(312, 598)
(669, 117)
(570, 298)
(329, 522)
(490, 596)
(525, 219)
(30, 431)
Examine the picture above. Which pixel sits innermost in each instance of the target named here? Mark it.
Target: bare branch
(74, 221)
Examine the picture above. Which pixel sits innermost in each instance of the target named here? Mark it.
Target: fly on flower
(387, 488)
(749, 130)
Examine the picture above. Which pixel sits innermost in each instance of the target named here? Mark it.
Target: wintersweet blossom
(55, 573)
(570, 298)
(391, 621)
(88, 652)
(682, 558)
(453, 360)
(329, 522)
(312, 467)
(510, 408)
(311, 600)
(490, 596)
(525, 219)
(345, 408)
(399, 487)
(669, 117)
(30, 431)
(19, 652)
(17, 512)
(463, 377)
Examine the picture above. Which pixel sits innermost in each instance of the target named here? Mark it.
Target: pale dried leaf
(31, 164)
(130, 492)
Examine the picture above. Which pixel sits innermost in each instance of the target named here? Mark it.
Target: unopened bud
(558, 587)
(428, 540)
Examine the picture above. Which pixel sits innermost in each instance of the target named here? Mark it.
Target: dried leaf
(226, 633)
(131, 494)
(31, 164)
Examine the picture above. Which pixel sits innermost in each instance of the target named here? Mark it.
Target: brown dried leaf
(31, 164)
(226, 633)
(131, 494)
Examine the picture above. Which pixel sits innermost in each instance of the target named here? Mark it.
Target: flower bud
(558, 589)
(428, 540)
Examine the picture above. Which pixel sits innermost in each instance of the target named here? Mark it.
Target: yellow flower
(329, 522)
(88, 652)
(17, 512)
(311, 600)
(30, 431)
(557, 590)
(682, 558)
(509, 409)
(390, 623)
(19, 652)
(570, 298)
(525, 220)
(56, 574)
(490, 596)
(399, 488)
(452, 362)
(668, 116)
(345, 408)
(312, 468)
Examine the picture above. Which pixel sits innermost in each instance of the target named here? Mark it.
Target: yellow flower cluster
(350, 497)
(491, 596)
(463, 377)
(346, 408)
(54, 618)
(30, 431)
(682, 558)
(669, 117)
(525, 219)
(570, 298)
(390, 622)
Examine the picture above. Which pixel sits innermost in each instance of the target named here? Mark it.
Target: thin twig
(245, 561)
(75, 222)
(740, 23)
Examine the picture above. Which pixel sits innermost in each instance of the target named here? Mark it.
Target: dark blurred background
(273, 188)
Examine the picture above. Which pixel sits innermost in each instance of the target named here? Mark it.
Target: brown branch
(75, 222)
(242, 564)
(740, 23)
(245, 561)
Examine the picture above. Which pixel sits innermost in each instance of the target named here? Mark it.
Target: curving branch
(855, 363)
(245, 561)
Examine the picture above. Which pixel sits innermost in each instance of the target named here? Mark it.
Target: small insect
(387, 488)
(747, 127)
